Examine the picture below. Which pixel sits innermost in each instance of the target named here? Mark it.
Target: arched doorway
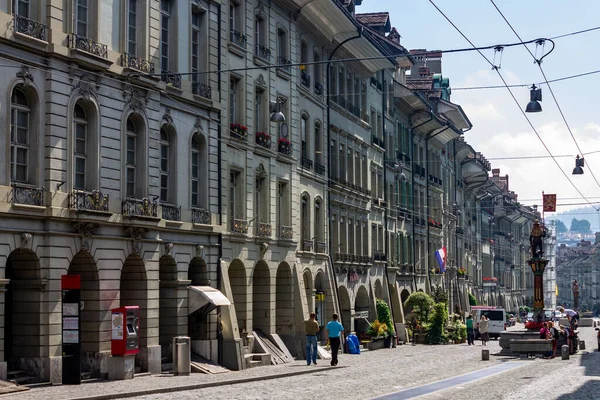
(404, 295)
(239, 290)
(284, 305)
(201, 326)
(362, 304)
(308, 288)
(346, 309)
(378, 289)
(261, 298)
(84, 264)
(134, 292)
(168, 306)
(22, 327)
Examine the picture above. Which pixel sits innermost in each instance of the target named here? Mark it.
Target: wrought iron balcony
(239, 226)
(380, 256)
(30, 28)
(307, 163)
(286, 232)
(95, 200)
(28, 195)
(305, 79)
(200, 216)
(319, 169)
(138, 63)
(263, 229)
(320, 247)
(263, 52)
(238, 38)
(318, 88)
(171, 212)
(284, 64)
(139, 207)
(202, 90)
(307, 245)
(88, 45)
(171, 78)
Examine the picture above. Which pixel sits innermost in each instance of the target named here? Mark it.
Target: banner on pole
(549, 203)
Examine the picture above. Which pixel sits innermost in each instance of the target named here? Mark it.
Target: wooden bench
(530, 347)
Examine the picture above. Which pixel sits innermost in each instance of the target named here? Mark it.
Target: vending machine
(320, 312)
(125, 326)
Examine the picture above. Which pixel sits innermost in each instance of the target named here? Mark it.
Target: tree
(439, 295)
(580, 226)
(420, 303)
(383, 314)
(437, 325)
(560, 226)
(472, 300)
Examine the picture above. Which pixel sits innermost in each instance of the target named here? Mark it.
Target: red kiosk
(125, 343)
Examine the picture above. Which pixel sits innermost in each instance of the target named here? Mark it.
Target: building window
(318, 67)
(165, 25)
(132, 27)
(165, 166)
(199, 48)
(131, 159)
(283, 204)
(318, 220)
(318, 144)
(81, 17)
(334, 161)
(261, 201)
(19, 137)
(282, 46)
(236, 197)
(358, 250)
(235, 16)
(260, 37)
(259, 110)
(342, 157)
(22, 8)
(234, 112)
(199, 168)
(350, 166)
(305, 218)
(351, 246)
(81, 143)
(304, 136)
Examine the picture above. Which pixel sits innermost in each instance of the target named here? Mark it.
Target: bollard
(564, 352)
(582, 345)
(485, 355)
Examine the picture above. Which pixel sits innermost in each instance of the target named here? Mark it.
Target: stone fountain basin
(506, 336)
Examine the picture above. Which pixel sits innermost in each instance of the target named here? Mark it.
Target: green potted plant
(385, 317)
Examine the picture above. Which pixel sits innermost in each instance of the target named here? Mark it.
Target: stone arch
(84, 264)
(378, 289)
(345, 308)
(199, 324)
(309, 289)
(239, 290)
(404, 295)
(168, 305)
(134, 292)
(198, 272)
(501, 301)
(261, 297)
(284, 304)
(22, 310)
(362, 303)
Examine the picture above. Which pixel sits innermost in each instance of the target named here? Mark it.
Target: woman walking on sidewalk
(483, 330)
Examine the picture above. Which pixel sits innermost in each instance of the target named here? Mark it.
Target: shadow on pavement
(591, 362)
(584, 392)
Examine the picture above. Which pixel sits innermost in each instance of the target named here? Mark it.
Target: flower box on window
(263, 139)
(285, 146)
(238, 131)
(462, 272)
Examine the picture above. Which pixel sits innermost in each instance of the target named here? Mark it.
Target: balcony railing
(305, 79)
(170, 212)
(263, 229)
(200, 216)
(28, 195)
(284, 64)
(318, 88)
(139, 207)
(202, 90)
(171, 78)
(30, 28)
(88, 45)
(138, 63)
(307, 163)
(286, 232)
(380, 256)
(377, 141)
(239, 226)
(90, 201)
(320, 247)
(307, 245)
(263, 52)
(238, 38)
(319, 169)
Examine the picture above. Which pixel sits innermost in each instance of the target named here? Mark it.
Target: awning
(205, 299)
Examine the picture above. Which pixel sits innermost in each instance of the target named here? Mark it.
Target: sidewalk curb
(201, 385)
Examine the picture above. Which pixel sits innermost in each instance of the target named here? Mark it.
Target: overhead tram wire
(515, 100)
(539, 64)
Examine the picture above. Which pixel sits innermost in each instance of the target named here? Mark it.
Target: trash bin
(182, 355)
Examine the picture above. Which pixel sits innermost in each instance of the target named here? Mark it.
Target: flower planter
(263, 140)
(376, 344)
(285, 148)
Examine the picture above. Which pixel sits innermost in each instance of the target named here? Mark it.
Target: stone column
(3, 363)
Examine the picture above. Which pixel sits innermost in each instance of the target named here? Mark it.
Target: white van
(497, 318)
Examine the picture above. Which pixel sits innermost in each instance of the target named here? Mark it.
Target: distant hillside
(587, 213)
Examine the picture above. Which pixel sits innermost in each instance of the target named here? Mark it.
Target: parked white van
(497, 318)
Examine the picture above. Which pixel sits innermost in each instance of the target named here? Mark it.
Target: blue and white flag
(441, 258)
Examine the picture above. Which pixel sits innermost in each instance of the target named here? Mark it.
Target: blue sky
(499, 129)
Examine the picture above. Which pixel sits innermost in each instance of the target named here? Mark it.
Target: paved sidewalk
(152, 384)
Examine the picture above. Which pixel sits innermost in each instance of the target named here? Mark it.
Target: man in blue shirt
(334, 332)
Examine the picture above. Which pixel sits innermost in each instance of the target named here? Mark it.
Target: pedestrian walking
(554, 335)
(335, 330)
(483, 330)
(311, 328)
(470, 330)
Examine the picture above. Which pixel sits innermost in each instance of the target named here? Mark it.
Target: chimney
(597, 238)
(394, 36)
(496, 172)
(424, 71)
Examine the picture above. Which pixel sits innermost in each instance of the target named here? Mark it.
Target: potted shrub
(385, 317)
(377, 331)
(436, 334)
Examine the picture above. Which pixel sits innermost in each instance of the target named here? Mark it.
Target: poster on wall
(70, 323)
(70, 336)
(70, 309)
(117, 326)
